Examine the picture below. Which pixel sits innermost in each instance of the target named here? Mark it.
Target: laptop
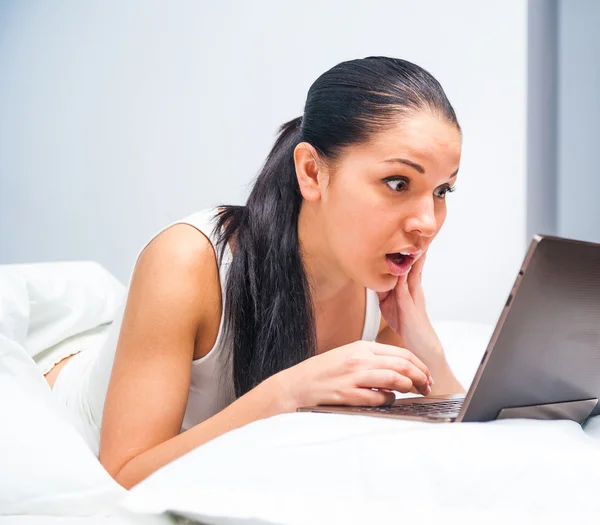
(543, 359)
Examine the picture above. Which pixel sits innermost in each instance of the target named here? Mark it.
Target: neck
(326, 279)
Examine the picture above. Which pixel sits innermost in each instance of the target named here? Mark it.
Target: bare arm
(248, 408)
(173, 296)
(444, 380)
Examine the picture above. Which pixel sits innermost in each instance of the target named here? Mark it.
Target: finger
(405, 368)
(415, 275)
(372, 398)
(386, 390)
(391, 394)
(388, 379)
(384, 295)
(402, 292)
(396, 351)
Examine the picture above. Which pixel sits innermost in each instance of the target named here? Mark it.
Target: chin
(382, 283)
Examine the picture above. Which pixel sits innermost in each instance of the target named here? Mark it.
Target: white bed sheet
(120, 517)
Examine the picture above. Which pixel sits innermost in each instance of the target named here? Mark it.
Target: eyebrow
(414, 165)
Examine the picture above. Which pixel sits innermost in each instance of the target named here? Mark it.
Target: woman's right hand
(348, 375)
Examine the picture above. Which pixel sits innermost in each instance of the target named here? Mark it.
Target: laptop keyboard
(445, 408)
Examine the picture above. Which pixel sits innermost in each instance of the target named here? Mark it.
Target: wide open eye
(397, 183)
(442, 191)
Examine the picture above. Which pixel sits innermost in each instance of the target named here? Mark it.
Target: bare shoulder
(180, 265)
(174, 292)
(181, 247)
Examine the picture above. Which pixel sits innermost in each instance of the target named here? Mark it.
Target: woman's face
(389, 196)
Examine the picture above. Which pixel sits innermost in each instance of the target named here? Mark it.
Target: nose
(421, 218)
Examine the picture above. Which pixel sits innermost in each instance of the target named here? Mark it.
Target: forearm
(433, 357)
(445, 381)
(261, 402)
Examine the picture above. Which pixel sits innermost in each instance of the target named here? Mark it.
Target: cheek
(349, 208)
(355, 232)
(369, 241)
(358, 225)
(441, 215)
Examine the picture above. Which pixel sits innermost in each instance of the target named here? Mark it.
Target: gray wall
(542, 111)
(579, 119)
(117, 117)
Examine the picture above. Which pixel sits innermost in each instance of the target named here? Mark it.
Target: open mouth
(399, 263)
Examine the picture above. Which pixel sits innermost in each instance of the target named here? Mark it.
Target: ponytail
(268, 308)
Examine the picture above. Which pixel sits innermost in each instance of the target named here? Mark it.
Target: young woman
(309, 294)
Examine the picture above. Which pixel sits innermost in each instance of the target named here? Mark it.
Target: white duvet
(292, 469)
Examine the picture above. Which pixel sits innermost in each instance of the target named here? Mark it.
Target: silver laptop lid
(546, 345)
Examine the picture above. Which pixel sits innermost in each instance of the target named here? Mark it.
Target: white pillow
(43, 304)
(45, 466)
(326, 468)
(592, 428)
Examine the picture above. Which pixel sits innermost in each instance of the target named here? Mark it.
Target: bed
(289, 469)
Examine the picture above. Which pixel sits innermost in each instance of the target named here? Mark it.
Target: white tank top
(83, 382)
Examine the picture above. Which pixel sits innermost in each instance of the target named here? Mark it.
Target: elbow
(120, 472)
(124, 482)
(125, 477)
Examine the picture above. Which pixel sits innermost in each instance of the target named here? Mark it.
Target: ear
(311, 176)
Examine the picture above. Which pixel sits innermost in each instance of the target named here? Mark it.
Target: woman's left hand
(403, 308)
